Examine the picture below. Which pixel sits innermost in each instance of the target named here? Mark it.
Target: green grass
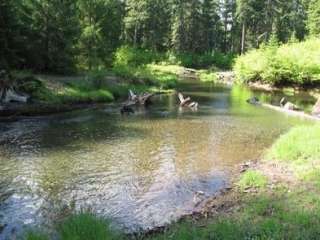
(148, 75)
(300, 145)
(252, 179)
(292, 63)
(81, 226)
(32, 235)
(207, 76)
(86, 226)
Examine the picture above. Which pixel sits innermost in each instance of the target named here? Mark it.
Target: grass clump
(252, 179)
(291, 63)
(86, 226)
(207, 76)
(32, 235)
(301, 145)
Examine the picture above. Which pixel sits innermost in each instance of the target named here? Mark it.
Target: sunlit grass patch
(207, 76)
(301, 145)
(252, 179)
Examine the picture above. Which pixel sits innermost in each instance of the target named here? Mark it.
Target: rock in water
(126, 110)
(253, 100)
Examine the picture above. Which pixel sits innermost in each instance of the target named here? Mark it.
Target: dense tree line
(64, 35)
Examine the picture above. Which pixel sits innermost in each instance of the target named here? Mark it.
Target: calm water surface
(141, 171)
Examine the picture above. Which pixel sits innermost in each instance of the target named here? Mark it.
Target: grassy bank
(138, 69)
(292, 63)
(99, 86)
(276, 198)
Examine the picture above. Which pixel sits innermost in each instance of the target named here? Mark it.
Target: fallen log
(294, 113)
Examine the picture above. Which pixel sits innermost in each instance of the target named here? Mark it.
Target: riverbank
(273, 198)
(51, 94)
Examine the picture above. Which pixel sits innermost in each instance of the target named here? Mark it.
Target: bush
(130, 56)
(133, 57)
(216, 59)
(292, 63)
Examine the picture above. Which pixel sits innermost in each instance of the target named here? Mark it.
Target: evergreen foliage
(64, 36)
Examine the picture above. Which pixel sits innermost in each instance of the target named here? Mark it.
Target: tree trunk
(243, 38)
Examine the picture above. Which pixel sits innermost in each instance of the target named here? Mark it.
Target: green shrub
(133, 57)
(297, 63)
(216, 59)
(130, 56)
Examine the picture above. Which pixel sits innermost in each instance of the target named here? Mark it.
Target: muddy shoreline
(230, 199)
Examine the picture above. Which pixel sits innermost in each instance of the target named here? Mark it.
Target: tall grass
(292, 63)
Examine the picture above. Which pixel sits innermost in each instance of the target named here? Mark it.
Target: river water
(141, 171)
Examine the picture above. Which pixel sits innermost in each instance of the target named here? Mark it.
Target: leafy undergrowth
(292, 63)
(99, 86)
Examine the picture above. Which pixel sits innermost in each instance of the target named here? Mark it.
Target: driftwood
(133, 100)
(142, 99)
(186, 102)
(189, 73)
(288, 105)
(7, 92)
(316, 109)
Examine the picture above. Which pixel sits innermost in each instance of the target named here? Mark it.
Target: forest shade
(70, 35)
